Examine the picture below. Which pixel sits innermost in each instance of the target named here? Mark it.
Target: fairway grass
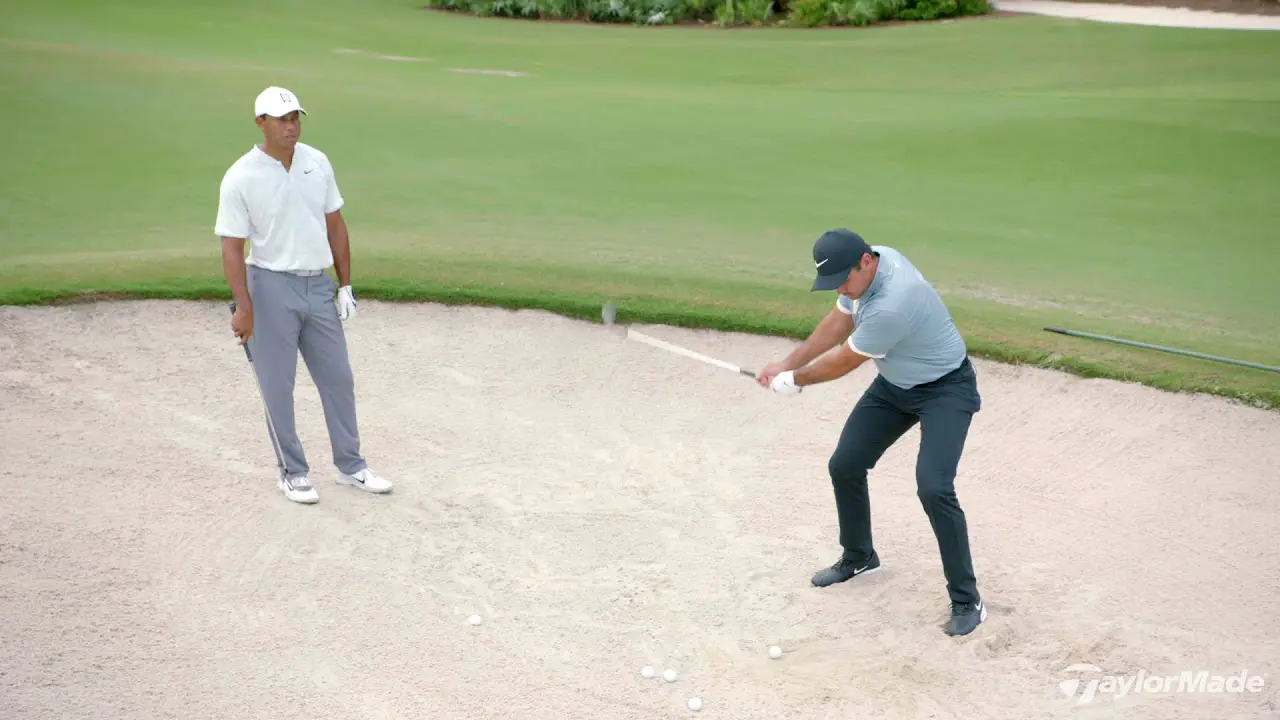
(1111, 179)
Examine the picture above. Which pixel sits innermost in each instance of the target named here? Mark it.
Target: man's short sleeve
(332, 197)
(878, 332)
(233, 214)
(844, 304)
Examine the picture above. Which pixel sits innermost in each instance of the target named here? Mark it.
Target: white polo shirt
(281, 212)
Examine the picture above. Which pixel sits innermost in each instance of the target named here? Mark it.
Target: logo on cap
(835, 254)
(276, 102)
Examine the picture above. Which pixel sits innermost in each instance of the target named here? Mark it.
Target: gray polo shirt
(903, 325)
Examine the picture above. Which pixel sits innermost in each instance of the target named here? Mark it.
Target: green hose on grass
(1188, 353)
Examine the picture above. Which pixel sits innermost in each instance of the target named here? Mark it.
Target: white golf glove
(346, 303)
(784, 383)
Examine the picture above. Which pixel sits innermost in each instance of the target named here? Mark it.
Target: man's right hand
(769, 372)
(242, 322)
(834, 327)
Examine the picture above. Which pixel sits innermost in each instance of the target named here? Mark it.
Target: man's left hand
(346, 303)
(784, 383)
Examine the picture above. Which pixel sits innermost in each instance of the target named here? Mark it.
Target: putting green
(1106, 178)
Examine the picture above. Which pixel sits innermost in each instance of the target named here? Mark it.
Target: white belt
(299, 273)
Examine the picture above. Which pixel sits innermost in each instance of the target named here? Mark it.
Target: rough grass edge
(635, 309)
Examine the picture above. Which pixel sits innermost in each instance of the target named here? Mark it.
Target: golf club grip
(247, 354)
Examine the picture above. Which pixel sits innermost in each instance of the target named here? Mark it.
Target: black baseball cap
(835, 254)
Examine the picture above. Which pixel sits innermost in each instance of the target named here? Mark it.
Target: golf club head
(609, 313)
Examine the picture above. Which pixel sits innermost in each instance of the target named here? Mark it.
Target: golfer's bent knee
(935, 487)
(848, 467)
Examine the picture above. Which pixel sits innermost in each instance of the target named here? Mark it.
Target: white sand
(1141, 15)
(149, 568)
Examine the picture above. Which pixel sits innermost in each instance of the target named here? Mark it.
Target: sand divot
(601, 508)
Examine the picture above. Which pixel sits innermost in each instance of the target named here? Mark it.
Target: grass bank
(1104, 178)
(991, 335)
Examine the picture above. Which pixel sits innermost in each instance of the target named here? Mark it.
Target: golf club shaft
(609, 313)
(686, 352)
(271, 426)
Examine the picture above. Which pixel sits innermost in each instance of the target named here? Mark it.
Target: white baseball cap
(276, 102)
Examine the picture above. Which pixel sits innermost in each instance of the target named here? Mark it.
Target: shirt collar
(264, 157)
(882, 271)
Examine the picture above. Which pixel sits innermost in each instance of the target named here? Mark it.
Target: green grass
(1113, 179)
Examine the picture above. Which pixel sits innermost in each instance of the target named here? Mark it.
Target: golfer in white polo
(282, 196)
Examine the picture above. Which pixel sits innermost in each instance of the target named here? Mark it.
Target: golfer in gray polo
(887, 312)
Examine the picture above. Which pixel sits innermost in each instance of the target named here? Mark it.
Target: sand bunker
(1110, 12)
(668, 514)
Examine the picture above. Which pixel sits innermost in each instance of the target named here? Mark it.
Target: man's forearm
(833, 328)
(340, 244)
(835, 365)
(234, 270)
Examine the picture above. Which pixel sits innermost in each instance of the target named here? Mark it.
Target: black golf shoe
(966, 617)
(845, 569)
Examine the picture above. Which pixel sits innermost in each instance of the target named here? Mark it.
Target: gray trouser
(292, 313)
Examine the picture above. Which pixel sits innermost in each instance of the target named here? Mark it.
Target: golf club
(275, 441)
(610, 313)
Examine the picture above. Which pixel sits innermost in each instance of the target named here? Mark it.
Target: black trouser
(944, 409)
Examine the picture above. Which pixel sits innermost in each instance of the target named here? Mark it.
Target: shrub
(724, 13)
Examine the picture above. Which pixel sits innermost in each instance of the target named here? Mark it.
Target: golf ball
(475, 620)
(669, 675)
(647, 671)
(775, 652)
(695, 704)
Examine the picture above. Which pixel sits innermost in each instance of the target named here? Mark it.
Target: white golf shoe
(366, 480)
(298, 489)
